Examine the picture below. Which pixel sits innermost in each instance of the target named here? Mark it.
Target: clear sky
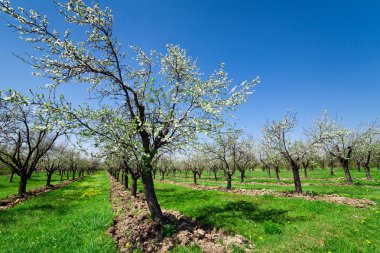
(311, 55)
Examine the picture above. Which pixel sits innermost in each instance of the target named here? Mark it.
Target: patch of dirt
(134, 229)
(281, 183)
(16, 199)
(333, 198)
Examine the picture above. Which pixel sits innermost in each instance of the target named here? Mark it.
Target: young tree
(376, 153)
(163, 98)
(336, 140)
(245, 156)
(270, 158)
(365, 148)
(226, 149)
(164, 165)
(52, 161)
(195, 163)
(276, 138)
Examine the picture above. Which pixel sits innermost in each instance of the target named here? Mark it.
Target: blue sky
(311, 55)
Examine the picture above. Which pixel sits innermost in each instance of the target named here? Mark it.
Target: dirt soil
(16, 199)
(333, 198)
(134, 229)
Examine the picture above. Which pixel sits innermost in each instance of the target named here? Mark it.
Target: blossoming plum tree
(164, 98)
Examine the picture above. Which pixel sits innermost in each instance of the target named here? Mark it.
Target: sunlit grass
(37, 180)
(74, 218)
(276, 224)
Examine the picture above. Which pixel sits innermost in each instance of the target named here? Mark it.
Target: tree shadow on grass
(210, 209)
(14, 215)
(243, 210)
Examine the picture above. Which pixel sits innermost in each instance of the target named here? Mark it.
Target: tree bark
(11, 178)
(154, 174)
(229, 181)
(162, 175)
(297, 179)
(366, 166)
(277, 172)
(305, 172)
(331, 171)
(344, 163)
(48, 180)
(242, 176)
(23, 182)
(215, 175)
(367, 172)
(150, 194)
(195, 177)
(269, 172)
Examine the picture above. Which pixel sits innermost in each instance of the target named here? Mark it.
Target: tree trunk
(229, 181)
(162, 175)
(11, 178)
(150, 194)
(366, 166)
(305, 172)
(269, 172)
(277, 172)
(154, 174)
(199, 175)
(22, 186)
(134, 185)
(297, 179)
(61, 179)
(195, 177)
(367, 172)
(242, 176)
(48, 180)
(215, 175)
(331, 171)
(344, 163)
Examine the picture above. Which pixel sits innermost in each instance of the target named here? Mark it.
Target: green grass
(317, 176)
(361, 188)
(279, 224)
(37, 180)
(74, 218)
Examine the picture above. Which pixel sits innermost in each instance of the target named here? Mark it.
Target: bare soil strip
(134, 229)
(284, 183)
(333, 198)
(16, 199)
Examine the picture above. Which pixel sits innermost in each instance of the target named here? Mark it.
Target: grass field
(276, 224)
(316, 176)
(279, 224)
(37, 180)
(74, 218)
